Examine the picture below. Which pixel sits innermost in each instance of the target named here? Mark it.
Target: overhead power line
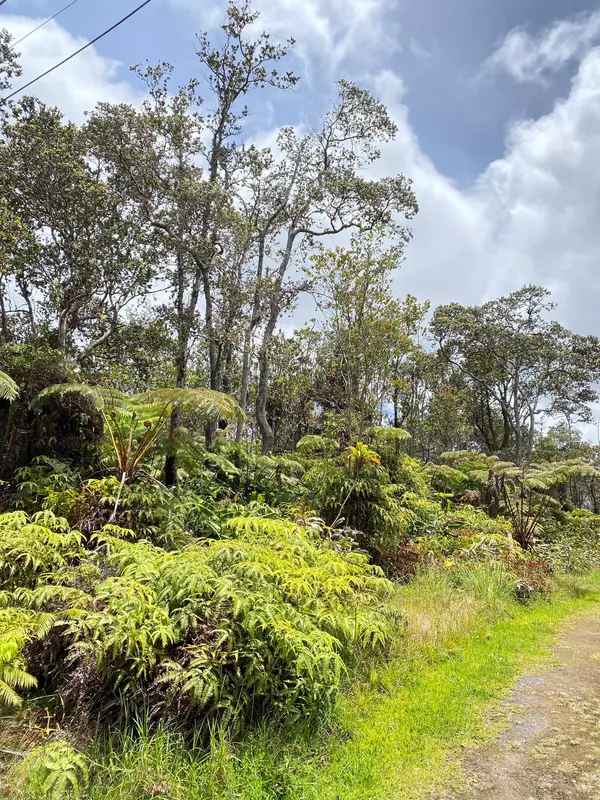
(54, 16)
(2, 2)
(81, 49)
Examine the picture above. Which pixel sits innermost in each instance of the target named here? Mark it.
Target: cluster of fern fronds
(263, 617)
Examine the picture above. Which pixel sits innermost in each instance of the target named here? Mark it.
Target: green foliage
(491, 584)
(134, 424)
(8, 388)
(241, 470)
(262, 620)
(570, 542)
(145, 507)
(355, 487)
(54, 771)
(33, 548)
(157, 762)
(17, 627)
(148, 509)
(37, 483)
(312, 444)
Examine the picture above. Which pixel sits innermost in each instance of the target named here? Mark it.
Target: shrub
(571, 542)
(263, 619)
(55, 771)
(167, 517)
(33, 548)
(356, 489)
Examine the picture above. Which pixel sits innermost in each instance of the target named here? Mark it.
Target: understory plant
(263, 619)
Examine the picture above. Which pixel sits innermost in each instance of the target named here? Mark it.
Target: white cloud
(77, 85)
(444, 261)
(531, 216)
(419, 50)
(544, 198)
(532, 58)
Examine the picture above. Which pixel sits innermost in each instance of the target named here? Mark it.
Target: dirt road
(551, 749)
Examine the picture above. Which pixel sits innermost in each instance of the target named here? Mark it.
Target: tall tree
(293, 401)
(366, 330)
(317, 188)
(78, 259)
(519, 365)
(183, 169)
(9, 64)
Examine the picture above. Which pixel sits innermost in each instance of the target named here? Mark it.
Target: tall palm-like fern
(134, 423)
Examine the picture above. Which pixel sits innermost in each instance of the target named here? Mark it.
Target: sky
(497, 105)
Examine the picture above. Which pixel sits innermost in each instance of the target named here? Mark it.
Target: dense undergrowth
(204, 639)
(254, 590)
(395, 728)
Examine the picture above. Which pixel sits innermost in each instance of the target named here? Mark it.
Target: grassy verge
(407, 726)
(461, 641)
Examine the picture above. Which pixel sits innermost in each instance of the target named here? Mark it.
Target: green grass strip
(403, 740)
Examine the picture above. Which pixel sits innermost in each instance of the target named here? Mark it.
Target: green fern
(134, 424)
(17, 627)
(8, 388)
(55, 770)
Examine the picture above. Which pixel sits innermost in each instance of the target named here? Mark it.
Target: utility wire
(22, 39)
(76, 53)
(2, 2)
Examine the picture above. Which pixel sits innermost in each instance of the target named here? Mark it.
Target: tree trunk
(254, 322)
(171, 459)
(517, 419)
(63, 322)
(245, 383)
(266, 431)
(593, 494)
(276, 307)
(183, 338)
(26, 295)
(531, 435)
(4, 323)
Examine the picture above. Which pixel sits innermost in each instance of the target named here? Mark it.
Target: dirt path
(551, 749)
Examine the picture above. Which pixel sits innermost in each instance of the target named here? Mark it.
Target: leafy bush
(55, 771)
(571, 542)
(355, 487)
(263, 619)
(32, 549)
(168, 517)
(17, 628)
(533, 575)
(45, 477)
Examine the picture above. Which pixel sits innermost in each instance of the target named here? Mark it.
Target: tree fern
(135, 423)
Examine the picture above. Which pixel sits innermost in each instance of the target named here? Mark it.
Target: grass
(408, 722)
(462, 640)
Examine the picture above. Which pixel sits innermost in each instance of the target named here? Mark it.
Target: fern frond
(212, 406)
(388, 433)
(8, 388)
(100, 396)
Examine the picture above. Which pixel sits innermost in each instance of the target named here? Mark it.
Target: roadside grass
(399, 728)
(466, 643)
